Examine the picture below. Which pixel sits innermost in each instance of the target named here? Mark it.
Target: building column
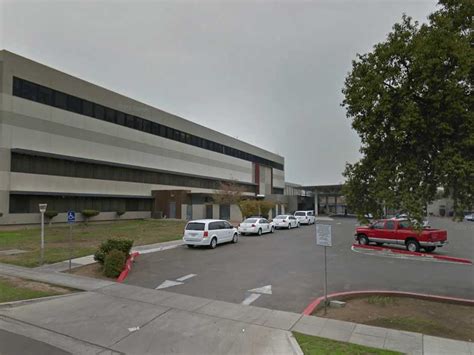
(316, 204)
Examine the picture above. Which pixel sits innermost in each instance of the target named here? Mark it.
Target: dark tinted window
(120, 118)
(193, 226)
(390, 225)
(74, 104)
(110, 115)
(129, 121)
(404, 224)
(99, 112)
(88, 108)
(378, 225)
(300, 214)
(214, 226)
(45, 95)
(228, 225)
(60, 100)
(251, 220)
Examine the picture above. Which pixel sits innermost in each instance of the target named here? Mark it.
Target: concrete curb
(128, 266)
(352, 294)
(413, 253)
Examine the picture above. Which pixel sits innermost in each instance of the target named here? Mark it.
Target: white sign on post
(323, 235)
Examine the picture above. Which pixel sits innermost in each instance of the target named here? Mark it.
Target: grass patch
(86, 239)
(312, 345)
(13, 289)
(411, 324)
(381, 300)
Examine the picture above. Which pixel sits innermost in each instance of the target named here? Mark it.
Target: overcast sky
(267, 72)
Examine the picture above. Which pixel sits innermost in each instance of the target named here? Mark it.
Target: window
(120, 118)
(74, 104)
(88, 108)
(137, 123)
(214, 226)
(404, 225)
(227, 225)
(193, 226)
(60, 100)
(390, 225)
(99, 112)
(300, 214)
(29, 90)
(147, 126)
(224, 211)
(45, 95)
(378, 225)
(110, 115)
(251, 220)
(129, 121)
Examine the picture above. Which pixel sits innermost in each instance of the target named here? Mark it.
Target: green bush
(114, 263)
(122, 245)
(120, 212)
(50, 214)
(88, 214)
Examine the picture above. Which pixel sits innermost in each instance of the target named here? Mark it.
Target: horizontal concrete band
(87, 135)
(354, 294)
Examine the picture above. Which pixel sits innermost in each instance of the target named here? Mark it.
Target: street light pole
(42, 208)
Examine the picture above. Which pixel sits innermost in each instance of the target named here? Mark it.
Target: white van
(305, 217)
(209, 232)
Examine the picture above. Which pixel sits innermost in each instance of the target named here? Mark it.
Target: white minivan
(305, 217)
(209, 232)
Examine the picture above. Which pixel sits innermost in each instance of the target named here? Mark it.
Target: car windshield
(194, 226)
(300, 214)
(251, 220)
(281, 217)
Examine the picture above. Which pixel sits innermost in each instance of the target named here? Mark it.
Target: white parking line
(250, 298)
(185, 277)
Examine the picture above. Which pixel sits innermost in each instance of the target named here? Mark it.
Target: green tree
(410, 102)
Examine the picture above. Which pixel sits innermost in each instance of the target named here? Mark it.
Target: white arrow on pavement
(256, 293)
(168, 283)
(267, 290)
(185, 277)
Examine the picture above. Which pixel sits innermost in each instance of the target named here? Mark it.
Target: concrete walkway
(89, 259)
(112, 317)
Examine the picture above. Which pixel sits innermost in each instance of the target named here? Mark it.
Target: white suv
(209, 232)
(305, 217)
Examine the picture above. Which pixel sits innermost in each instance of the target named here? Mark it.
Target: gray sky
(267, 72)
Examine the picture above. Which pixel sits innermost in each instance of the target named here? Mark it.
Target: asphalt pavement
(285, 270)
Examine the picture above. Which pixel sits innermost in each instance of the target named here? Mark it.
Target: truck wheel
(429, 249)
(413, 245)
(363, 240)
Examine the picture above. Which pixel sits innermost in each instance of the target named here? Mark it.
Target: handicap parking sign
(71, 216)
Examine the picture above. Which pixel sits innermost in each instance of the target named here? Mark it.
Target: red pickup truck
(401, 232)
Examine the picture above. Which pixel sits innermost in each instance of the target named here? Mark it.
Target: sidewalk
(130, 319)
(89, 259)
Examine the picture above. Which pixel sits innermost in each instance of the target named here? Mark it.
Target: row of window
(29, 203)
(36, 164)
(38, 93)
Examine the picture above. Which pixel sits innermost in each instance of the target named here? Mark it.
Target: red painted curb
(127, 267)
(313, 305)
(414, 253)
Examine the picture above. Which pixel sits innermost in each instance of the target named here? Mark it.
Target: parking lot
(287, 268)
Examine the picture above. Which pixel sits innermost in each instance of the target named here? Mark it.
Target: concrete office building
(75, 145)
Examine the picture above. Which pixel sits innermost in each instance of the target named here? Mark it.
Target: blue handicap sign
(71, 216)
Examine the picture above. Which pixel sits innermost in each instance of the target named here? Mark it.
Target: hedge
(122, 245)
(114, 263)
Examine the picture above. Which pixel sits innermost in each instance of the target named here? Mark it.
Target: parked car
(305, 217)
(256, 226)
(209, 232)
(401, 232)
(286, 221)
(469, 217)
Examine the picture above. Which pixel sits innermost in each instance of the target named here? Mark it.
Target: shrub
(50, 214)
(120, 212)
(114, 263)
(265, 207)
(88, 214)
(122, 245)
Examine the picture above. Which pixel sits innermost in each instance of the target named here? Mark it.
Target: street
(285, 270)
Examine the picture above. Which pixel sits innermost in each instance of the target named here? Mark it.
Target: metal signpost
(324, 238)
(42, 208)
(71, 218)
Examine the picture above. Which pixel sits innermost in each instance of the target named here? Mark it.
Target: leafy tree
(410, 102)
(248, 208)
(229, 193)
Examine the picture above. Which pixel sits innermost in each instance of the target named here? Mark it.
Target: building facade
(75, 146)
